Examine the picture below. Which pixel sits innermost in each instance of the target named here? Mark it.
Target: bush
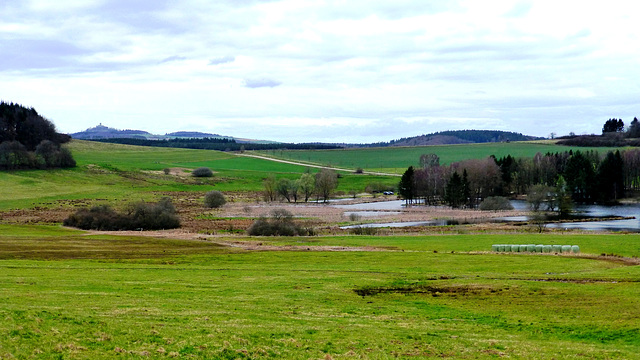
(140, 216)
(280, 224)
(214, 199)
(202, 172)
(494, 203)
(363, 230)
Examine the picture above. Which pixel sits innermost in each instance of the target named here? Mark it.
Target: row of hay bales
(533, 248)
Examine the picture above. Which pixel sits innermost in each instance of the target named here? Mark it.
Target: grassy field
(69, 295)
(110, 171)
(398, 159)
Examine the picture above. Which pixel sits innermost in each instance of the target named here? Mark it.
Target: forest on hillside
(456, 137)
(29, 141)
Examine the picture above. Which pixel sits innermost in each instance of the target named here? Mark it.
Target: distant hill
(193, 134)
(101, 132)
(459, 137)
(104, 132)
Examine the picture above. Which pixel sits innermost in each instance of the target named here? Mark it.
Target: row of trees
(587, 177)
(617, 126)
(27, 140)
(221, 144)
(321, 185)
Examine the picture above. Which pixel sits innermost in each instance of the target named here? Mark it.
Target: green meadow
(71, 294)
(398, 159)
(115, 172)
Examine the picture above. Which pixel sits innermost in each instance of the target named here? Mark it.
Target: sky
(355, 71)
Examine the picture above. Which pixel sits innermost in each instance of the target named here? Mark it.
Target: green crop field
(69, 295)
(398, 159)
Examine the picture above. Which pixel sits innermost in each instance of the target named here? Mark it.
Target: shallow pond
(381, 208)
(373, 206)
(370, 214)
(596, 211)
(400, 224)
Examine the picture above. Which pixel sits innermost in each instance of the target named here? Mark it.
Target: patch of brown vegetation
(434, 290)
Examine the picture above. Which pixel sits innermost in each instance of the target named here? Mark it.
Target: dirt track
(315, 166)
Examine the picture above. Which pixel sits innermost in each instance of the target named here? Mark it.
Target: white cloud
(312, 69)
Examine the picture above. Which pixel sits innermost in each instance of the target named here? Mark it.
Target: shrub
(363, 230)
(280, 224)
(494, 203)
(140, 216)
(202, 172)
(167, 171)
(99, 217)
(214, 199)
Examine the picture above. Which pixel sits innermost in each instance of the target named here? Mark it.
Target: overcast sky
(324, 70)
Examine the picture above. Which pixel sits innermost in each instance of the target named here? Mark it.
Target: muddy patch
(433, 290)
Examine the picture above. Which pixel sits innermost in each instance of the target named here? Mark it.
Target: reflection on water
(380, 205)
(403, 224)
(370, 213)
(626, 210)
(632, 225)
(596, 211)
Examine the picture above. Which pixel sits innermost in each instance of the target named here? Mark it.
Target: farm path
(316, 166)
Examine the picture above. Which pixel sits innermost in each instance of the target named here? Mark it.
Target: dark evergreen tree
(455, 191)
(610, 180)
(634, 129)
(613, 126)
(466, 189)
(580, 177)
(508, 167)
(406, 187)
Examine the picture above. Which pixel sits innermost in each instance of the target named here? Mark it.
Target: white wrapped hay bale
(566, 249)
(556, 248)
(539, 248)
(547, 249)
(515, 248)
(531, 248)
(575, 249)
(523, 248)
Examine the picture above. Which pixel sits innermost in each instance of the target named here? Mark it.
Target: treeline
(599, 141)
(220, 144)
(588, 177)
(321, 185)
(614, 134)
(29, 141)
